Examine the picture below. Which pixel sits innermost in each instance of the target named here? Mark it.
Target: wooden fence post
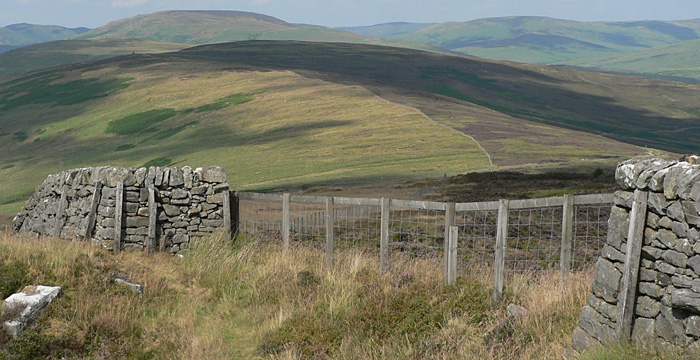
(285, 221)
(61, 212)
(152, 218)
(92, 215)
(449, 222)
(452, 255)
(384, 239)
(235, 213)
(227, 214)
(628, 288)
(118, 216)
(329, 230)
(567, 223)
(500, 256)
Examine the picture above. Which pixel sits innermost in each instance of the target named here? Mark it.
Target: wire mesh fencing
(307, 222)
(590, 231)
(534, 239)
(417, 231)
(261, 216)
(357, 227)
(477, 241)
(535, 229)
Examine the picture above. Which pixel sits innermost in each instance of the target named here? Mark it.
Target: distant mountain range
(17, 35)
(663, 48)
(542, 40)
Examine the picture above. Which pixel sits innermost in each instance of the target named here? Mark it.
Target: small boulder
(137, 288)
(25, 307)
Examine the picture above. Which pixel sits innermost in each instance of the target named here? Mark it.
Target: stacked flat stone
(667, 310)
(190, 205)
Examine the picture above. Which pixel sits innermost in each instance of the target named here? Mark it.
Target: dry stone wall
(108, 203)
(667, 300)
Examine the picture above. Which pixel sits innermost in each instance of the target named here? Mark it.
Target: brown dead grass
(230, 301)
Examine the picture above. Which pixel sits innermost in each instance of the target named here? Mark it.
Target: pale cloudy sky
(334, 13)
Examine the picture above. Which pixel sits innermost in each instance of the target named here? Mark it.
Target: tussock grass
(250, 299)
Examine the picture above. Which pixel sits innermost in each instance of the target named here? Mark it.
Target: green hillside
(551, 41)
(679, 60)
(6, 48)
(27, 34)
(386, 29)
(620, 107)
(206, 27)
(280, 114)
(50, 54)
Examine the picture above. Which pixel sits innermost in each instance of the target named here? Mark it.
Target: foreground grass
(252, 300)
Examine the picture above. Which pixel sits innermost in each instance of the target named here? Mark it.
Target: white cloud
(128, 3)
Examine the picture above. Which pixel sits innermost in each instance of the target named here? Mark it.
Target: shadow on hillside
(510, 89)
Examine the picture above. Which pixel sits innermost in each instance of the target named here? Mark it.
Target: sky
(336, 13)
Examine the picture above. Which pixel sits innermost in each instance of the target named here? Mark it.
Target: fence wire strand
(307, 224)
(357, 227)
(417, 232)
(590, 229)
(534, 239)
(261, 218)
(477, 241)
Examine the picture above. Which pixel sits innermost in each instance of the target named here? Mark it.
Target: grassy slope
(620, 107)
(50, 54)
(302, 127)
(27, 34)
(679, 60)
(295, 130)
(254, 300)
(205, 27)
(548, 40)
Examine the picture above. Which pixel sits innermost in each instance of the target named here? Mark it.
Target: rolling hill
(282, 114)
(677, 60)
(552, 41)
(55, 53)
(17, 35)
(387, 29)
(206, 27)
(619, 107)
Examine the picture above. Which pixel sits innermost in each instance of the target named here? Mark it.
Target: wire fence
(357, 227)
(417, 232)
(534, 238)
(477, 241)
(590, 232)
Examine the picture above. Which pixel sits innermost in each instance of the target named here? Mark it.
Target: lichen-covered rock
(686, 299)
(670, 326)
(643, 330)
(606, 282)
(25, 307)
(635, 173)
(212, 174)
